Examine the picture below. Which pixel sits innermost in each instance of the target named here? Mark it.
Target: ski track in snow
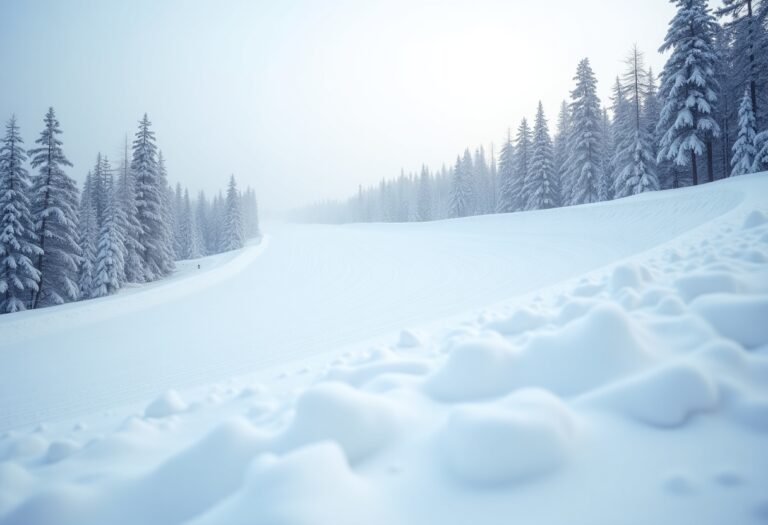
(619, 368)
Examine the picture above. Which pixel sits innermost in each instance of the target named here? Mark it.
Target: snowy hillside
(597, 364)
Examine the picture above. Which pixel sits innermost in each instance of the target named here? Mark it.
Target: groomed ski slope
(597, 364)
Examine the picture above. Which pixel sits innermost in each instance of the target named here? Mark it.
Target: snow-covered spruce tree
(635, 163)
(129, 221)
(154, 239)
(167, 210)
(483, 186)
(523, 158)
(424, 204)
(202, 214)
(689, 87)
(507, 201)
(54, 211)
(761, 158)
(233, 235)
(97, 187)
(583, 170)
(748, 30)
(190, 231)
(88, 233)
(177, 223)
(461, 191)
(109, 271)
(604, 189)
(18, 244)
(541, 188)
(744, 150)
(560, 145)
(651, 111)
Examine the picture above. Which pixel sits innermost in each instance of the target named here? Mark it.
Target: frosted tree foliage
(688, 86)
(109, 271)
(583, 170)
(154, 235)
(461, 188)
(540, 187)
(635, 163)
(234, 235)
(88, 232)
(54, 204)
(18, 247)
(744, 150)
(129, 221)
(424, 205)
(508, 192)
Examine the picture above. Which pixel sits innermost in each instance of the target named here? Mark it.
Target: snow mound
(360, 423)
(522, 320)
(362, 374)
(475, 369)
(754, 219)
(167, 404)
(603, 345)
(741, 318)
(60, 450)
(311, 486)
(408, 339)
(692, 286)
(629, 275)
(525, 435)
(664, 397)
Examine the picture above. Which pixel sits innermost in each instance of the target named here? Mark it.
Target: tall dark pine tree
(154, 239)
(18, 247)
(689, 87)
(54, 204)
(541, 187)
(584, 140)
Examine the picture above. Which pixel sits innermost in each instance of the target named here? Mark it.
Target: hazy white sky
(305, 99)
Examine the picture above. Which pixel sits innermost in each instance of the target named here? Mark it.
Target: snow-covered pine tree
(560, 145)
(688, 87)
(129, 221)
(483, 189)
(507, 201)
(202, 213)
(635, 163)
(761, 158)
(167, 212)
(461, 191)
(54, 211)
(744, 150)
(748, 27)
(88, 233)
(18, 244)
(583, 170)
(540, 187)
(604, 188)
(156, 250)
(177, 223)
(234, 237)
(424, 203)
(523, 158)
(109, 271)
(651, 112)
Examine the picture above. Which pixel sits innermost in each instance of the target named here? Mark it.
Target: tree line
(704, 118)
(60, 244)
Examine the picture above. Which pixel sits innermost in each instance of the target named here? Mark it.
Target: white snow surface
(596, 364)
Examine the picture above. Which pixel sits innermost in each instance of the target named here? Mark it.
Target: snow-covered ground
(597, 364)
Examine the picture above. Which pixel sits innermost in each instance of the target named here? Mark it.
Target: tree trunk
(710, 168)
(694, 169)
